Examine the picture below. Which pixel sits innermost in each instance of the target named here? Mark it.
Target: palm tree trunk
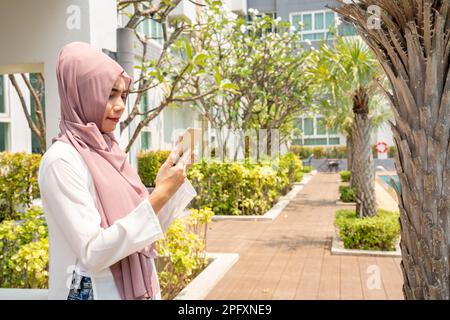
(413, 47)
(350, 157)
(362, 158)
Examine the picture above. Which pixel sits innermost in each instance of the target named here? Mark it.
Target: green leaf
(200, 59)
(169, 3)
(188, 49)
(217, 76)
(231, 87)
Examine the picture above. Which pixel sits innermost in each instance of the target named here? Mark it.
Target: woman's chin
(108, 129)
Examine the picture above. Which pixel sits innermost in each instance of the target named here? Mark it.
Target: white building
(32, 46)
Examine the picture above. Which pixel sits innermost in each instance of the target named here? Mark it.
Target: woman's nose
(119, 107)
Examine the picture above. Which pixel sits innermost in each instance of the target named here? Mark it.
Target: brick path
(289, 258)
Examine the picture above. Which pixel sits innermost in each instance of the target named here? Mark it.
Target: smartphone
(191, 140)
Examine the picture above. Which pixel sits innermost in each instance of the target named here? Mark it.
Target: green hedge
(182, 252)
(347, 194)
(392, 151)
(293, 167)
(23, 251)
(380, 232)
(18, 182)
(232, 188)
(336, 152)
(235, 188)
(345, 175)
(307, 169)
(149, 163)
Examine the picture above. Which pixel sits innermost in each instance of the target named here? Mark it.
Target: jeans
(81, 288)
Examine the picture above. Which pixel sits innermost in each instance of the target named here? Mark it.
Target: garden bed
(338, 249)
(197, 289)
(372, 236)
(273, 213)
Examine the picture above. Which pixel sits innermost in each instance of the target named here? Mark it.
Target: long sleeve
(68, 202)
(174, 208)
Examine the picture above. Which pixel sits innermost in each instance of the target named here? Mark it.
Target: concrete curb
(200, 287)
(273, 213)
(342, 203)
(23, 294)
(337, 249)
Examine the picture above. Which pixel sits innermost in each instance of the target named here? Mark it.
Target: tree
(168, 73)
(412, 42)
(36, 123)
(266, 74)
(349, 74)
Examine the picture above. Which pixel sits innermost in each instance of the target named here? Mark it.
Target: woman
(102, 222)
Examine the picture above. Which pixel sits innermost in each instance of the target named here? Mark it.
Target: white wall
(32, 33)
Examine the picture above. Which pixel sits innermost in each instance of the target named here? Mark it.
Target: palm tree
(349, 74)
(411, 40)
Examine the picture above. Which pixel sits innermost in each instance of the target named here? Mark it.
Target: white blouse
(76, 239)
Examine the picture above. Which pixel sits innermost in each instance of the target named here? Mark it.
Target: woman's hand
(170, 177)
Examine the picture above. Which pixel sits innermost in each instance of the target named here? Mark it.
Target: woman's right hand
(169, 178)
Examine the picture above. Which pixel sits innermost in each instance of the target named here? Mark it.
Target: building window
(308, 124)
(4, 120)
(334, 141)
(4, 136)
(144, 105)
(152, 29)
(38, 86)
(146, 138)
(316, 24)
(321, 128)
(2, 95)
(347, 30)
(315, 132)
(315, 142)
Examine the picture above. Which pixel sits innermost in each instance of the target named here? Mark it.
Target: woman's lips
(114, 119)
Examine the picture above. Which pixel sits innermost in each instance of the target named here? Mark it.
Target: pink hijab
(85, 79)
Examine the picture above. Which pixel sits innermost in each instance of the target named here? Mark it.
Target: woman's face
(115, 106)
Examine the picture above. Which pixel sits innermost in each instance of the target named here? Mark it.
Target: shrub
(18, 182)
(31, 264)
(307, 169)
(345, 175)
(293, 166)
(182, 252)
(347, 194)
(336, 152)
(235, 188)
(392, 151)
(149, 163)
(23, 251)
(380, 232)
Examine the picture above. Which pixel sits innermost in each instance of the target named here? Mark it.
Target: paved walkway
(289, 258)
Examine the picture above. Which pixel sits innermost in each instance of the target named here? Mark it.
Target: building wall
(284, 7)
(32, 33)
